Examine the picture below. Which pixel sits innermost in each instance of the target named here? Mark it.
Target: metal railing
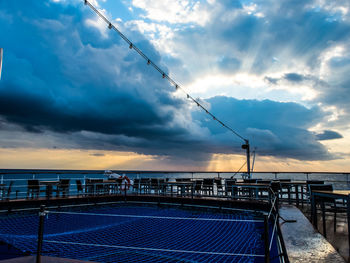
(18, 180)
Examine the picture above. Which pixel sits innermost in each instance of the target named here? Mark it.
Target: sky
(73, 95)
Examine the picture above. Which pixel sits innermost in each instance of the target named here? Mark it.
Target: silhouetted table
(183, 186)
(256, 187)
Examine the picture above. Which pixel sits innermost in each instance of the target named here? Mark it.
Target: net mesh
(141, 233)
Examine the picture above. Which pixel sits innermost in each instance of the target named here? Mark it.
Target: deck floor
(338, 239)
(303, 242)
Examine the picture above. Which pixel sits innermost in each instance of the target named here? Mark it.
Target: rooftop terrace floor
(303, 242)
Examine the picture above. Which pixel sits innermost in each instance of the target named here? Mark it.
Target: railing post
(42, 214)
(266, 239)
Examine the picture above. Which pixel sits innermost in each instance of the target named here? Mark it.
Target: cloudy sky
(73, 95)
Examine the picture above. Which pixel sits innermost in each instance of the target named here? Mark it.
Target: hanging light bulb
(148, 62)
(163, 75)
(110, 26)
(130, 46)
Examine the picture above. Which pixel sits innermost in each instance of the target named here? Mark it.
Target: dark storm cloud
(63, 77)
(328, 135)
(279, 129)
(293, 77)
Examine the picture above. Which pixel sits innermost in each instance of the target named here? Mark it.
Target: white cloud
(173, 11)
(336, 8)
(98, 23)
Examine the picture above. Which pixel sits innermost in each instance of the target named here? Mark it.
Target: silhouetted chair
(229, 187)
(198, 184)
(114, 187)
(63, 187)
(6, 192)
(98, 186)
(145, 185)
(80, 189)
(118, 185)
(248, 192)
(276, 187)
(33, 188)
(154, 185)
(331, 204)
(285, 189)
(89, 187)
(136, 185)
(309, 182)
(208, 186)
(219, 186)
(162, 185)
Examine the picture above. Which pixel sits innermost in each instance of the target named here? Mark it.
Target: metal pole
(42, 214)
(247, 148)
(266, 239)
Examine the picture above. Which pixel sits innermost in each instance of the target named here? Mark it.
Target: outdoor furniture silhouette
(323, 201)
(7, 191)
(208, 186)
(219, 186)
(80, 189)
(154, 185)
(136, 186)
(63, 187)
(49, 187)
(229, 189)
(33, 188)
(145, 185)
(97, 186)
(89, 187)
(198, 184)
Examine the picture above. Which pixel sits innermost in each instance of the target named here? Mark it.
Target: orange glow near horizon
(30, 158)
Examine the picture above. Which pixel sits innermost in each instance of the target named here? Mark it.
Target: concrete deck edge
(303, 242)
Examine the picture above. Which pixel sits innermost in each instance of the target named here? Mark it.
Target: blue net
(141, 233)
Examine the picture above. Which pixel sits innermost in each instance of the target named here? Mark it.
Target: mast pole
(247, 148)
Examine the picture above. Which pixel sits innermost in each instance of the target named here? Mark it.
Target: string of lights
(164, 75)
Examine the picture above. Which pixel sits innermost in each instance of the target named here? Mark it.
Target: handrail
(40, 171)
